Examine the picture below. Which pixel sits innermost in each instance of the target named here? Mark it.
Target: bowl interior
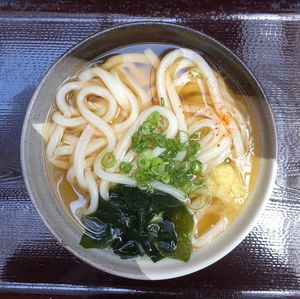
(45, 198)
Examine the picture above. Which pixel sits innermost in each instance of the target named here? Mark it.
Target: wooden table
(265, 35)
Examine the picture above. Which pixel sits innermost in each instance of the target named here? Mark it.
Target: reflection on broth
(163, 124)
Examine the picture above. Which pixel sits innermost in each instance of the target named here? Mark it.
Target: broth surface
(225, 201)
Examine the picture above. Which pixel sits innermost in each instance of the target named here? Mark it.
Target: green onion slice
(161, 140)
(108, 160)
(125, 167)
(196, 167)
(227, 160)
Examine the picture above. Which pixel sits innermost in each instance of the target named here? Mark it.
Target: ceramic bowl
(45, 197)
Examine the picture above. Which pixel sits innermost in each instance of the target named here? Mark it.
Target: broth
(221, 200)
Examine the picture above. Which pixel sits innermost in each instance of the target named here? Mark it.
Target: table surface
(265, 35)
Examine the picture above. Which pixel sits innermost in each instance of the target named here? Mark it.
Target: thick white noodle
(182, 65)
(225, 92)
(46, 130)
(208, 112)
(54, 141)
(208, 73)
(237, 115)
(76, 207)
(212, 138)
(139, 74)
(95, 145)
(217, 160)
(130, 156)
(61, 103)
(183, 78)
(96, 107)
(158, 151)
(70, 139)
(143, 96)
(170, 190)
(123, 126)
(216, 150)
(123, 58)
(190, 108)
(165, 63)
(116, 178)
(177, 108)
(238, 123)
(105, 94)
(207, 237)
(72, 122)
(206, 139)
(243, 126)
(64, 150)
(61, 164)
(110, 81)
(89, 161)
(93, 191)
(204, 123)
(80, 153)
(237, 139)
(98, 122)
(216, 137)
(202, 90)
(70, 175)
(152, 57)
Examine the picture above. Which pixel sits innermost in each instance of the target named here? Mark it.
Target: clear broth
(189, 96)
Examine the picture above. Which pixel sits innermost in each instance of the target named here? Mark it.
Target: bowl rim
(264, 199)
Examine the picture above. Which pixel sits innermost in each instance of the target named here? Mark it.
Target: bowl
(43, 193)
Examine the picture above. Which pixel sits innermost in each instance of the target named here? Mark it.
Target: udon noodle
(98, 111)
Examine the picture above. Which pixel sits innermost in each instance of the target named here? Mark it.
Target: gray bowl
(45, 197)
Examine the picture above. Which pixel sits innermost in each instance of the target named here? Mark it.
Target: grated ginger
(224, 183)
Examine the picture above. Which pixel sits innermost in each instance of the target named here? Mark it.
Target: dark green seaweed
(135, 223)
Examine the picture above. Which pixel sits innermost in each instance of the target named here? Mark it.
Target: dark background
(264, 34)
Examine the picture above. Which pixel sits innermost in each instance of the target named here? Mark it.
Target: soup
(151, 150)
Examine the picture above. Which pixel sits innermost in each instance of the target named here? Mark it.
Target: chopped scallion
(108, 160)
(193, 149)
(125, 167)
(161, 140)
(165, 168)
(143, 162)
(227, 160)
(194, 137)
(199, 182)
(196, 167)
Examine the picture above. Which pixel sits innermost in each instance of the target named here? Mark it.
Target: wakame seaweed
(136, 223)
